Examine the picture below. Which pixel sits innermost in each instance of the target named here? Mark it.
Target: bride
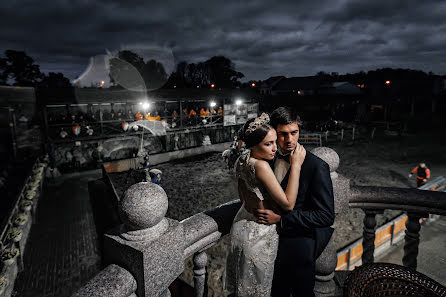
(250, 261)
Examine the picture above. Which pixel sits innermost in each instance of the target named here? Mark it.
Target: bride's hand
(297, 156)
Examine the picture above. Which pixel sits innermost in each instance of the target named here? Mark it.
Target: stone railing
(417, 203)
(16, 226)
(150, 249)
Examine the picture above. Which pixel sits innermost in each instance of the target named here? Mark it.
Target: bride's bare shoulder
(261, 165)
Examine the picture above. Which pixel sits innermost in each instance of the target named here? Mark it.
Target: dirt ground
(196, 184)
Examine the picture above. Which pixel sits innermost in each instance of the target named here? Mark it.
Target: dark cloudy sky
(262, 38)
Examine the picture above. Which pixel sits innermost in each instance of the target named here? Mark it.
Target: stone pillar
(326, 263)
(147, 244)
(200, 260)
(368, 242)
(412, 240)
(176, 138)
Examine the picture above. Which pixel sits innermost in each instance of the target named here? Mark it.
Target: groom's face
(287, 137)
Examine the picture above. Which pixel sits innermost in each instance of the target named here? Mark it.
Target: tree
(223, 72)
(152, 73)
(19, 67)
(132, 58)
(216, 70)
(55, 81)
(3, 73)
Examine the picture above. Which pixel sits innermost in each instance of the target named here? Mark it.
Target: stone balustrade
(153, 248)
(113, 281)
(16, 226)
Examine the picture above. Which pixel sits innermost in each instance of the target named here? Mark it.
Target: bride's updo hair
(255, 130)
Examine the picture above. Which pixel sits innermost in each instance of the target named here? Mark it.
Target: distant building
(307, 86)
(267, 85)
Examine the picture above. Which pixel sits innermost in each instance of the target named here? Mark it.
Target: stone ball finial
(328, 155)
(143, 206)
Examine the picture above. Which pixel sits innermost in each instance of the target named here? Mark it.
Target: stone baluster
(200, 260)
(147, 244)
(412, 240)
(368, 242)
(326, 262)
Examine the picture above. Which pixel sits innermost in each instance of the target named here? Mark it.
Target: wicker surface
(385, 279)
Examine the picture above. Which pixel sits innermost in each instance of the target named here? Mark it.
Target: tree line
(19, 69)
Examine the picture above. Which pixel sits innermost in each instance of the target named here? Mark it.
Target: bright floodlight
(238, 102)
(146, 105)
(213, 104)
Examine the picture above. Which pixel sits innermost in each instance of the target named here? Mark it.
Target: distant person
(174, 115)
(139, 116)
(192, 114)
(202, 113)
(423, 174)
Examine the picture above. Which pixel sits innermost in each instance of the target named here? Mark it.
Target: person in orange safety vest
(423, 174)
(202, 113)
(192, 113)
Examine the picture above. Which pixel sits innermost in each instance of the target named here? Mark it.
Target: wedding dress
(253, 248)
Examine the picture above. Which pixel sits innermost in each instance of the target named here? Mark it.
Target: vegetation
(13, 233)
(10, 253)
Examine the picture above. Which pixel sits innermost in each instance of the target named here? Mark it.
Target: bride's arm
(287, 199)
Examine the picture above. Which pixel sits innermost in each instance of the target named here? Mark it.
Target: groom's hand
(267, 216)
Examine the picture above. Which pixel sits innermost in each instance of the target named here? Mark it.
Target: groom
(304, 231)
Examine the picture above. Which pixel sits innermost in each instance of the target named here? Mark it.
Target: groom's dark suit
(305, 231)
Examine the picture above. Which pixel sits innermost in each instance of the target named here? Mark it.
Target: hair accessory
(259, 121)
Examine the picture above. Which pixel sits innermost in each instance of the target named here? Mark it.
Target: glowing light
(146, 105)
(388, 82)
(212, 85)
(253, 85)
(213, 104)
(238, 102)
(299, 92)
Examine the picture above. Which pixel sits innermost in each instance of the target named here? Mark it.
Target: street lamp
(146, 105)
(212, 85)
(388, 82)
(238, 102)
(253, 85)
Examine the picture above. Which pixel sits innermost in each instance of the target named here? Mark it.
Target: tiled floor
(61, 253)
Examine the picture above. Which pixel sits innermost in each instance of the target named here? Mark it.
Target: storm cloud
(262, 38)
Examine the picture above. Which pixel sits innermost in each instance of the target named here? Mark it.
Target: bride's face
(266, 149)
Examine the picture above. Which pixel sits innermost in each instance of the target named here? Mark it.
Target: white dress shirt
(281, 167)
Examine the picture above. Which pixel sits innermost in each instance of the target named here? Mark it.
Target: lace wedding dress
(252, 252)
